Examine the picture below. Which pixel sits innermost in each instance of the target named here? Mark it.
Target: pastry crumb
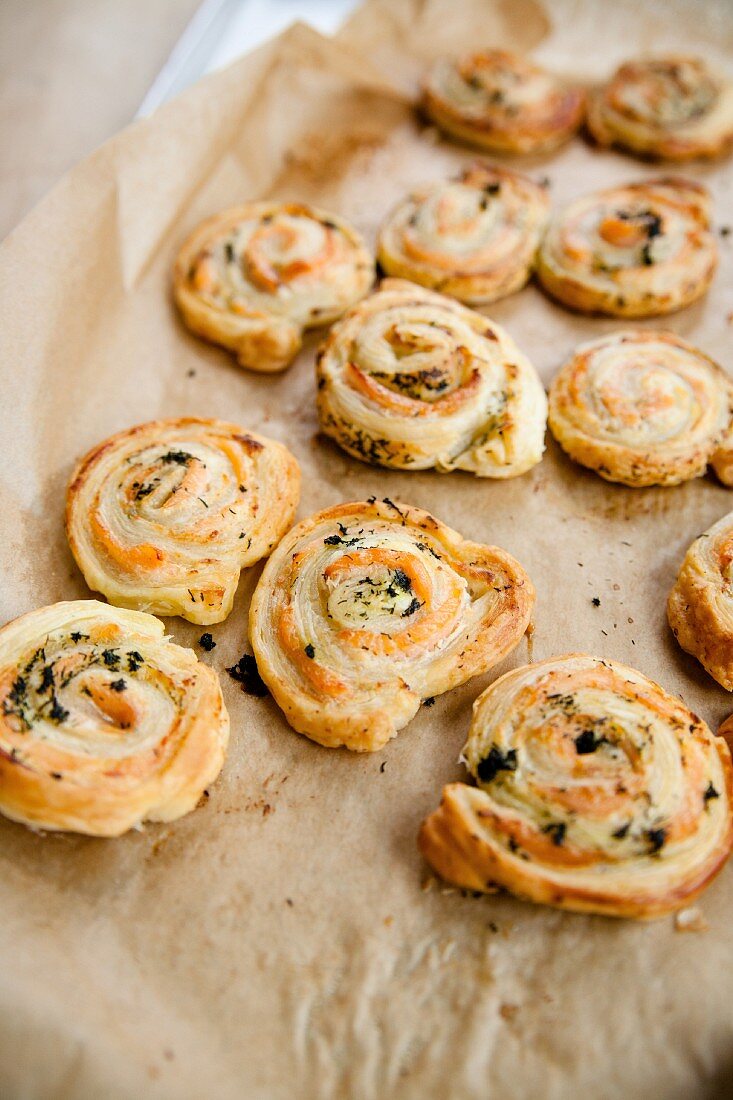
(508, 1011)
(690, 920)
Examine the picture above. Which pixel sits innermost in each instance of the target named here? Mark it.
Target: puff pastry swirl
(104, 723)
(700, 605)
(642, 408)
(164, 516)
(672, 108)
(597, 791)
(474, 237)
(367, 608)
(503, 102)
(254, 278)
(411, 380)
(634, 251)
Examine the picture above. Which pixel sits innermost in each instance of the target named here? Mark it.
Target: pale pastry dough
(412, 380)
(253, 278)
(366, 609)
(597, 791)
(700, 605)
(634, 251)
(501, 101)
(642, 408)
(164, 516)
(474, 237)
(672, 108)
(104, 723)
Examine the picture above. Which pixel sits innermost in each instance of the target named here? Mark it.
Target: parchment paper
(279, 941)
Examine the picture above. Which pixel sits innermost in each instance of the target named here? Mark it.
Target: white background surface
(222, 30)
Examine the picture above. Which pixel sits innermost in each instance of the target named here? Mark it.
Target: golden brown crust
(668, 108)
(598, 792)
(164, 516)
(412, 380)
(642, 408)
(104, 723)
(722, 458)
(700, 605)
(474, 237)
(636, 251)
(500, 101)
(367, 608)
(255, 277)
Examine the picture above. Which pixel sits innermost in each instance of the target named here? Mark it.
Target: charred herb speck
(587, 742)
(179, 458)
(495, 762)
(145, 490)
(57, 713)
(246, 673)
(556, 831)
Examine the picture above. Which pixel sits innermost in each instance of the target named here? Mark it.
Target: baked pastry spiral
(254, 278)
(642, 408)
(673, 108)
(104, 722)
(597, 791)
(164, 516)
(412, 380)
(501, 101)
(700, 605)
(633, 251)
(366, 609)
(474, 237)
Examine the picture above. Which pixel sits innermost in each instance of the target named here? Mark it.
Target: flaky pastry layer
(104, 722)
(412, 380)
(500, 101)
(700, 605)
(669, 108)
(474, 237)
(641, 250)
(255, 277)
(368, 608)
(643, 408)
(597, 792)
(164, 516)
